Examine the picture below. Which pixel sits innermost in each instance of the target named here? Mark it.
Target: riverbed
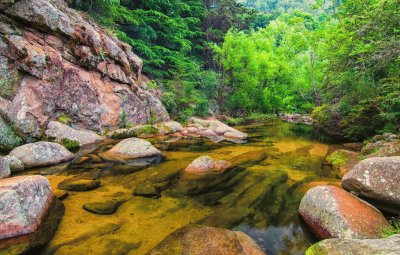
(277, 164)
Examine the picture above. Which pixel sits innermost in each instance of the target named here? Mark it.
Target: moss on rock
(8, 138)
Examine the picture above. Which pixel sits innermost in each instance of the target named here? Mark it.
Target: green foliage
(147, 130)
(394, 229)
(123, 120)
(65, 119)
(337, 159)
(70, 144)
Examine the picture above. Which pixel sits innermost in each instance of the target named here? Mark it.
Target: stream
(274, 169)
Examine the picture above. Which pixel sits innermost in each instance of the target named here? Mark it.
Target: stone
(386, 246)
(236, 135)
(331, 212)
(41, 154)
(131, 148)
(381, 149)
(75, 184)
(105, 208)
(342, 161)
(173, 126)
(147, 190)
(4, 168)
(61, 132)
(24, 202)
(8, 138)
(376, 180)
(215, 128)
(14, 163)
(200, 240)
(205, 165)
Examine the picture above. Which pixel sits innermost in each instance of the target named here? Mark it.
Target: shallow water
(260, 198)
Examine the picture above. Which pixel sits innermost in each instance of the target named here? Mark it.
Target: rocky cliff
(54, 62)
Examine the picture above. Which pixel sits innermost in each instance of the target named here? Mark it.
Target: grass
(394, 229)
(65, 119)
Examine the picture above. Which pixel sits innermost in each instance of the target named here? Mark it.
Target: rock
(205, 165)
(55, 62)
(333, 213)
(353, 146)
(200, 240)
(387, 246)
(61, 194)
(106, 208)
(192, 130)
(381, 149)
(8, 138)
(24, 202)
(61, 133)
(4, 168)
(131, 148)
(15, 164)
(41, 154)
(297, 118)
(236, 135)
(75, 184)
(147, 190)
(173, 126)
(342, 161)
(377, 180)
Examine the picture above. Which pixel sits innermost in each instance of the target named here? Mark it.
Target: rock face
(201, 240)
(333, 213)
(131, 148)
(342, 161)
(41, 154)
(61, 133)
(387, 246)
(4, 168)
(377, 180)
(54, 62)
(205, 165)
(8, 138)
(24, 202)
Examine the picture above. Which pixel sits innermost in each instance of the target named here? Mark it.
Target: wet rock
(387, 246)
(333, 213)
(4, 168)
(147, 190)
(199, 240)
(75, 184)
(105, 208)
(249, 158)
(15, 164)
(342, 161)
(61, 194)
(8, 138)
(377, 180)
(41, 154)
(205, 165)
(25, 201)
(131, 148)
(61, 132)
(29, 243)
(236, 135)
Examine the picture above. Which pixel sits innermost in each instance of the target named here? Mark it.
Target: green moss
(316, 250)
(70, 144)
(65, 119)
(337, 159)
(147, 130)
(394, 229)
(8, 138)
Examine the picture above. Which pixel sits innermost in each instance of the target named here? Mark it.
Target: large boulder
(382, 148)
(331, 212)
(54, 62)
(41, 154)
(201, 240)
(24, 202)
(205, 165)
(377, 180)
(131, 148)
(62, 134)
(4, 168)
(387, 246)
(342, 161)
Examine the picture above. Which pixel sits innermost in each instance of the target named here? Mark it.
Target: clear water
(258, 200)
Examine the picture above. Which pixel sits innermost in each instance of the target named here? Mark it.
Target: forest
(336, 60)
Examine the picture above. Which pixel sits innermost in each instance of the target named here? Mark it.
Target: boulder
(342, 161)
(14, 163)
(387, 246)
(205, 165)
(381, 148)
(4, 168)
(62, 133)
(201, 240)
(173, 126)
(131, 148)
(24, 202)
(75, 184)
(41, 154)
(236, 135)
(331, 212)
(377, 180)
(147, 190)
(105, 208)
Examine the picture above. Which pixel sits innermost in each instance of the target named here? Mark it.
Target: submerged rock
(62, 133)
(105, 208)
(331, 212)
(131, 148)
(201, 240)
(41, 154)
(205, 165)
(342, 161)
(147, 190)
(74, 184)
(378, 181)
(387, 246)
(24, 202)
(4, 168)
